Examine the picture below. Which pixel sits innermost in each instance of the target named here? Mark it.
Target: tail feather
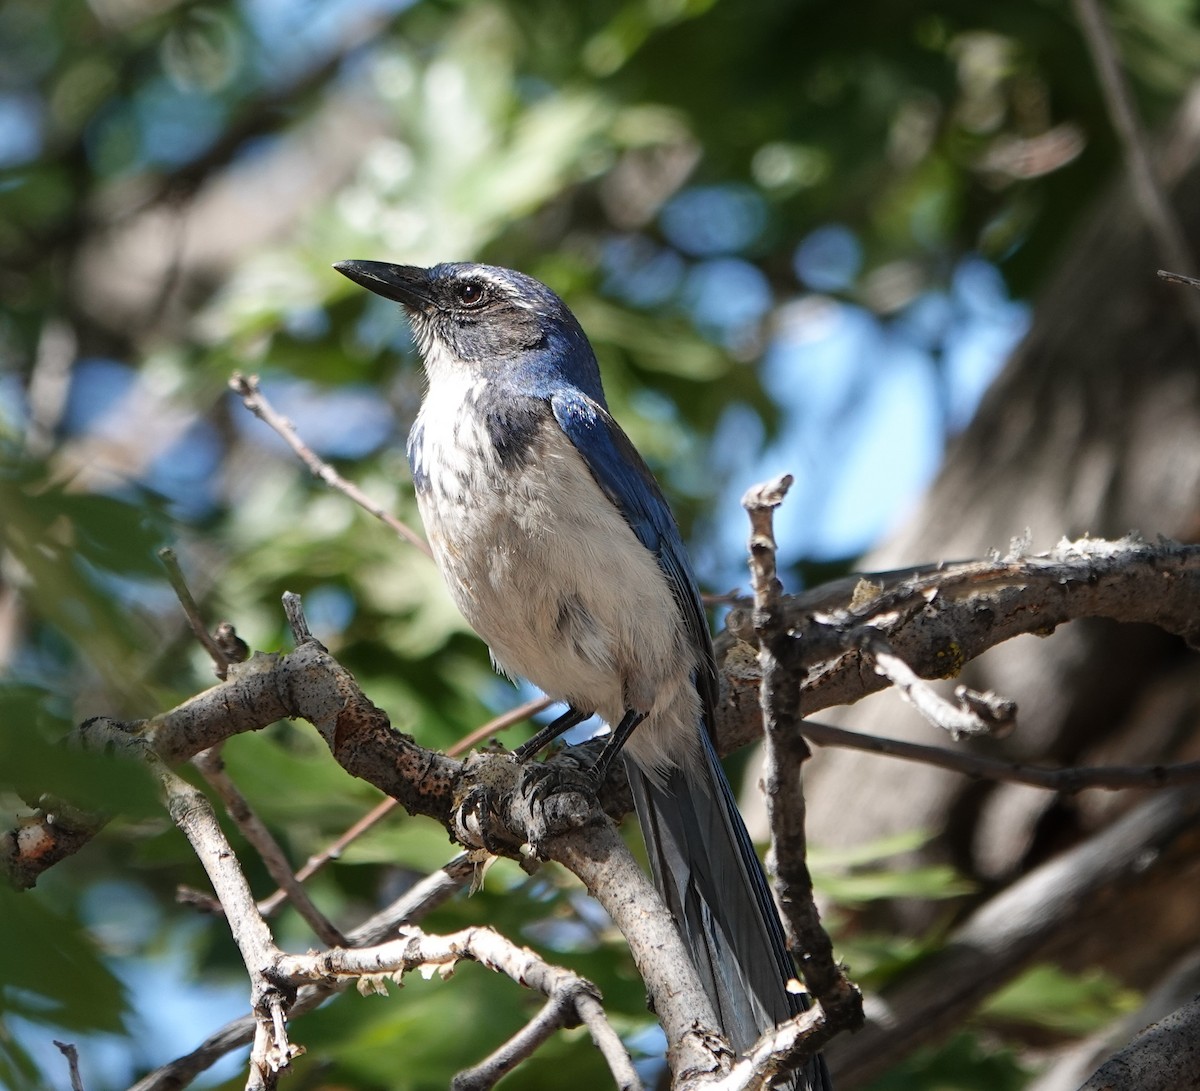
(707, 871)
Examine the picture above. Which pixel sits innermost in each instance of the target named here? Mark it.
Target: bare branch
(309, 684)
(191, 611)
(974, 714)
(556, 1014)
(381, 810)
(1179, 278)
(269, 850)
(937, 620)
(597, 855)
(247, 388)
(620, 1064)
(499, 723)
(293, 609)
(784, 753)
(72, 1056)
(1069, 780)
(762, 1062)
(192, 813)
(411, 907)
(416, 950)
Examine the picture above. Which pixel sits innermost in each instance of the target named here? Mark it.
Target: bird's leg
(618, 738)
(547, 779)
(549, 733)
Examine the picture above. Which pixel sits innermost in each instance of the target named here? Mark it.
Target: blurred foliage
(871, 873)
(965, 1063)
(1064, 1003)
(706, 183)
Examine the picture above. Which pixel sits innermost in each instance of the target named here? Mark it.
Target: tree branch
(1069, 780)
(936, 620)
(973, 714)
(939, 619)
(247, 388)
(785, 753)
(596, 854)
(270, 996)
(411, 907)
(429, 954)
(269, 851)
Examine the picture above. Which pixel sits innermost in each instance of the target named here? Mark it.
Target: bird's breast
(538, 559)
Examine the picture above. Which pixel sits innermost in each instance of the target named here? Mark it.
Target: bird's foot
(502, 805)
(479, 817)
(554, 797)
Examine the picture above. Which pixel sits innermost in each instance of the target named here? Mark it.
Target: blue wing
(626, 480)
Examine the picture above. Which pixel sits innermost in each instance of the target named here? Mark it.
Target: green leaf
(1076, 1004)
(931, 883)
(51, 972)
(35, 760)
(963, 1063)
(845, 877)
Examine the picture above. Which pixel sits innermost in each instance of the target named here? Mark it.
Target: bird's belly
(547, 571)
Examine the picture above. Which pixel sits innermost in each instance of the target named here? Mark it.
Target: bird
(557, 545)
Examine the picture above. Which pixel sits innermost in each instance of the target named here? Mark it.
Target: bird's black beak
(407, 284)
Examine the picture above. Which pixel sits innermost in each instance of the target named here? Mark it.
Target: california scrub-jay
(558, 547)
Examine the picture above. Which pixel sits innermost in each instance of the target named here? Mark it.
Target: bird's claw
(554, 798)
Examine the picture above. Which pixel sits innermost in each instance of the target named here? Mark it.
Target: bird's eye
(470, 293)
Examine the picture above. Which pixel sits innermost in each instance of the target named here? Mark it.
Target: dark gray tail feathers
(707, 872)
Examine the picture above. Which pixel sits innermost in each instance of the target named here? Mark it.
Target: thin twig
(1069, 780)
(416, 950)
(500, 723)
(975, 714)
(293, 610)
(191, 611)
(247, 388)
(191, 812)
(556, 1014)
(331, 852)
(1148, 192)
(1179, 278)
(269, 850)
(72, 1056)
(620, 1064)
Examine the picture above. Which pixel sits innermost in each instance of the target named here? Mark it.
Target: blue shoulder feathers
(627, 482)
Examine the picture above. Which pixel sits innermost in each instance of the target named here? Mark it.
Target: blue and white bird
(558, 547)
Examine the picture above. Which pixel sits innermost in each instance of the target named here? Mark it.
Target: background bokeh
(802, 237)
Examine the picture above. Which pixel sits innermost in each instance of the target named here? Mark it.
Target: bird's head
(491, 321)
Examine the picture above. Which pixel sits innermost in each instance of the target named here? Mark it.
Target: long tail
(707, 872)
